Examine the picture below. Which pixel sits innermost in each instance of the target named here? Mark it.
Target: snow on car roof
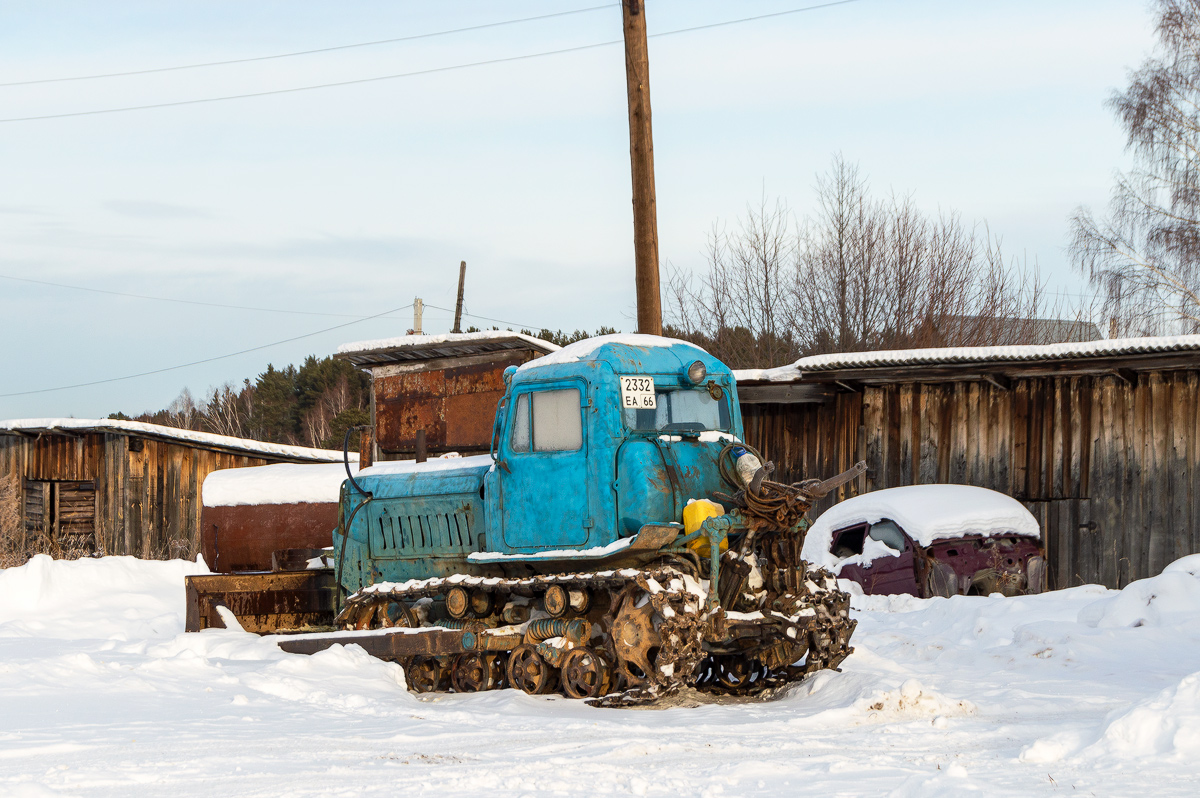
(926, 512)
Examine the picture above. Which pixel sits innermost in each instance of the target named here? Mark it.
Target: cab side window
(520, 434)
(547, 421)
(557, 426)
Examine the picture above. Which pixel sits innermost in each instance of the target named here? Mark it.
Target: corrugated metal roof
(407, 348)
(972, 354)
(203, 439)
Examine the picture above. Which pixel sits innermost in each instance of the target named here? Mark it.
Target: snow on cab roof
(973, 354)
(279, 483)
(204, 439)
(583, 350)
(926, 512)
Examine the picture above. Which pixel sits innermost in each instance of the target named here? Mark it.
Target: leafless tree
(860, 273)
(1144, 256)
(227, 411)
(316, 423)
(183, 412)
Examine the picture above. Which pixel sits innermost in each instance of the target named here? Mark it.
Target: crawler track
(616, 638)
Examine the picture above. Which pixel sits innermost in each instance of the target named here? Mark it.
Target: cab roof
(624, 353)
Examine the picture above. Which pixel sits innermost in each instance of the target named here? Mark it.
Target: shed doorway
(60, 518)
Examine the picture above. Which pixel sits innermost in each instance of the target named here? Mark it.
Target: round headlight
(696, 372)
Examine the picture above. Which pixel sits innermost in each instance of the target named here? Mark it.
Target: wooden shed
(1100, 440)
(444, 387)
(74, 487)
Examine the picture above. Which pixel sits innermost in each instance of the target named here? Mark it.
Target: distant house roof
(431, 347)
(1014, 332)
(207, 440)
(961, 362)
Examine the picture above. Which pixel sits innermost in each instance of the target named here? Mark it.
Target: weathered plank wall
(147, 494)
(1108, 464)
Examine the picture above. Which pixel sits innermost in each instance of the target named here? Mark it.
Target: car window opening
(849, 542)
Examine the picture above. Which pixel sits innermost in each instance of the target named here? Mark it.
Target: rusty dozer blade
(263, 603)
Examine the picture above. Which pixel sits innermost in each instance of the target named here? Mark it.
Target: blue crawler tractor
(571, 559)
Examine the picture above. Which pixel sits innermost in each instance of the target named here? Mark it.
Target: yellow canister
(693, 516)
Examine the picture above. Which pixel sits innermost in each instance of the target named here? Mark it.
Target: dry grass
(12, 541)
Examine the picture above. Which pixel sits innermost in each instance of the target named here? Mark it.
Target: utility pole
(418, 312)
(462, 278)
(641, 158)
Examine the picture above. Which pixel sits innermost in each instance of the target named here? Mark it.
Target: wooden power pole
(462, 278)
(641, 157)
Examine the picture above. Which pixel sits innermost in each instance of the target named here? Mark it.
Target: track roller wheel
(528, 671)
(458, 602)
(586, 674)
(428, 675)
(475, 671)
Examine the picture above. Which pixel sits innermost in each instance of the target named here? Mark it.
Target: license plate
(638, 393)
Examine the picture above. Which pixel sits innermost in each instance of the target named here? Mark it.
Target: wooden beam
(786, 393)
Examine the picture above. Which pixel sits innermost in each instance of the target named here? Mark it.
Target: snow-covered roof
(926, 512)
(972, 354)
(203, 439)
(581, 350)
(448, 461)
(280, 483)
(429, 347)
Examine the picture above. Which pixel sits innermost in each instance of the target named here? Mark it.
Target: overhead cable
(183, 301)
(204, 360)
(308, 52)
(430, 71)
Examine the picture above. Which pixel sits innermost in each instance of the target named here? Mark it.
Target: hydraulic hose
(346, 526)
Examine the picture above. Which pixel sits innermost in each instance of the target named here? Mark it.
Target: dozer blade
(263, 603)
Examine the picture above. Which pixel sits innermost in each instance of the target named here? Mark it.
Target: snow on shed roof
(972, 354)
(430, 347)
(203, 439)
(926, 512)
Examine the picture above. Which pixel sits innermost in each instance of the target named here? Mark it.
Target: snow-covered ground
(1078, 692)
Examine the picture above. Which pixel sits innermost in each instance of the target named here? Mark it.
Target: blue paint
(572, 470)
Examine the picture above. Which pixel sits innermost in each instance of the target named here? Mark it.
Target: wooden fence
(1108, 463)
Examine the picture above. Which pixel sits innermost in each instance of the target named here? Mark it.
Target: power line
(308, 52)
(199, 362)
(488, 318)
(431, 71)
(182, 301)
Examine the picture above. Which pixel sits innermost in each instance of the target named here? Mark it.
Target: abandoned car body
(931, 540)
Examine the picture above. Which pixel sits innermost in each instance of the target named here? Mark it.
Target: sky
(314, 210)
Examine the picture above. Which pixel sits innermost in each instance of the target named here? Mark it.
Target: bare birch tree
(860, 273)
(1144, 256)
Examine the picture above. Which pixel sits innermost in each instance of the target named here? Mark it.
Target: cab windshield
(683, 410)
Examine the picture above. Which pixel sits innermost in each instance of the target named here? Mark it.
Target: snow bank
(580, 350)
(1171, 598)
(282, 483)
(1165, 724)
(926, 512)
(120, 598)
